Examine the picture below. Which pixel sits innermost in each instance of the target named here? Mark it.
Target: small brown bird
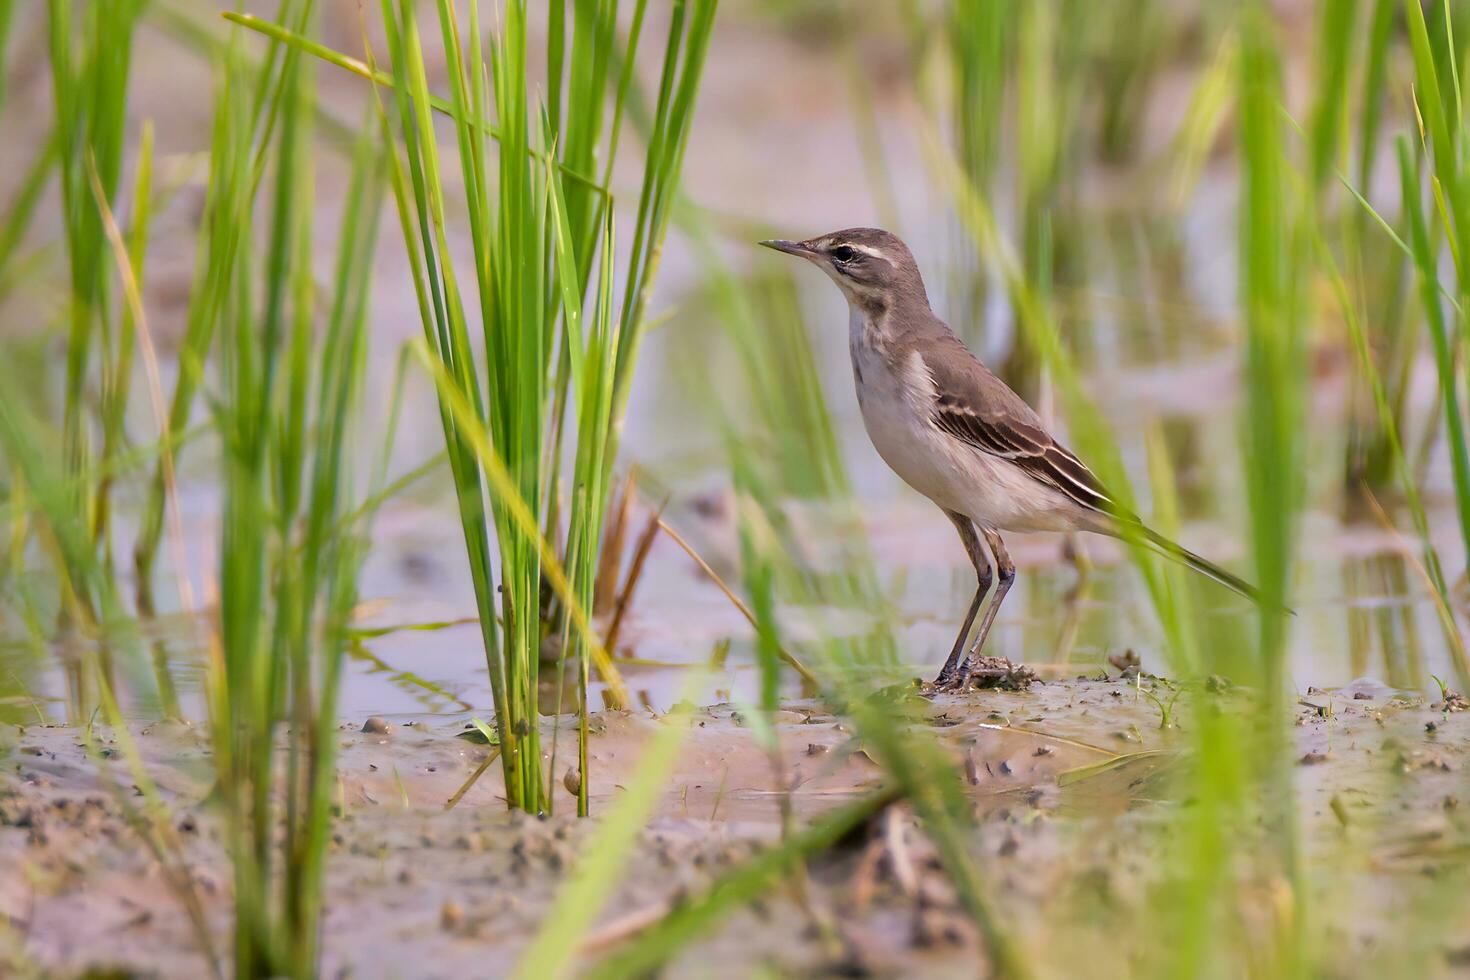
(957, 433)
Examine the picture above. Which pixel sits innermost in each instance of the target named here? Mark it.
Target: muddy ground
(415, 891)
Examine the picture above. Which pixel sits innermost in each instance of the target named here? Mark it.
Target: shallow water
(1149, 308)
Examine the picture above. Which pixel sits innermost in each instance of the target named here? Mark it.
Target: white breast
(896, 396)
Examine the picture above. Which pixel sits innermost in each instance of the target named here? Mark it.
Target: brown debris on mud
(998, 672)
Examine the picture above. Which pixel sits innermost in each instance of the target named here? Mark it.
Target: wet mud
(1073, 783)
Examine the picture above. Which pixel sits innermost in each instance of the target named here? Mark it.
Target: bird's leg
(1006, 574)
(953, 667)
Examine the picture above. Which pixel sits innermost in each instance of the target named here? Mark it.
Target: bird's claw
(953, 681)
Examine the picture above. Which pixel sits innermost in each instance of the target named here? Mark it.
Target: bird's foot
(954, 680)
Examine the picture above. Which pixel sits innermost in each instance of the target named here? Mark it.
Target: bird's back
(957, 370)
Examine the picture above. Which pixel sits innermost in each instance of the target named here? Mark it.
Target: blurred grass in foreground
(531, 407)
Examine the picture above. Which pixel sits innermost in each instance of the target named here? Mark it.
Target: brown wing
(975, 406)
(1028, 446)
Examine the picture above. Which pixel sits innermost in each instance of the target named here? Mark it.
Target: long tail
(1163, 546)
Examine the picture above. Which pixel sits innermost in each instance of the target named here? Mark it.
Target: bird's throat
(868, 329)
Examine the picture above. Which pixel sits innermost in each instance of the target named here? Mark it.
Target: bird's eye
(843, 253)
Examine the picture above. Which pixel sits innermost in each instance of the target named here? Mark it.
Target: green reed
(1439, 103)
(1232, 792)
(42, 497)
(1385, 354)
(245, 117)
(292, 361)
(289, 372)
(89, 72)
(1272, 248)
(1380, 272)
(550, 333)
(1430, 228)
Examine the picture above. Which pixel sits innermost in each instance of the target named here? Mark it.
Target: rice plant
(247, 108)
(89, 72)
(292, 534)
(285, 413)
(541, 349)
(1438, 103)
(1234, 791)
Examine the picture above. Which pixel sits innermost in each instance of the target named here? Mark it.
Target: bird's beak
(792, 248)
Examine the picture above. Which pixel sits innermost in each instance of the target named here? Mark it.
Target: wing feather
(1029, 447)
(973, 405)
(1002, 425)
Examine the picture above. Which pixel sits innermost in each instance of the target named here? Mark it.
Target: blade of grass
(579, 901)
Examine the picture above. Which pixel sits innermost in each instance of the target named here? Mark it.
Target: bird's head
(872, 267)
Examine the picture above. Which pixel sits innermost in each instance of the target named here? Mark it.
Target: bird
(955, 432)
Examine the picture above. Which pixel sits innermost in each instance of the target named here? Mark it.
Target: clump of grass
(1031, 88)
(1375, 270)
(89, 71)
(1273, 242)
(1271, 255)
(1392, 338)
(247, 110)
(1243, 770)
(536, 232)
(1436, 74)
(292, 533)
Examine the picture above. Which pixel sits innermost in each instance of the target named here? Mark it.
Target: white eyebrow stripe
(867, 250)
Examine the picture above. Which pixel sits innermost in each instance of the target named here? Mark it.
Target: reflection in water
(1383, 636)
(1386, 628)
(21, 670)
(1143, 281)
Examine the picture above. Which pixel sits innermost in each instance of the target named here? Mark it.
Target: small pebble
(451, 916)
(377, 726)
